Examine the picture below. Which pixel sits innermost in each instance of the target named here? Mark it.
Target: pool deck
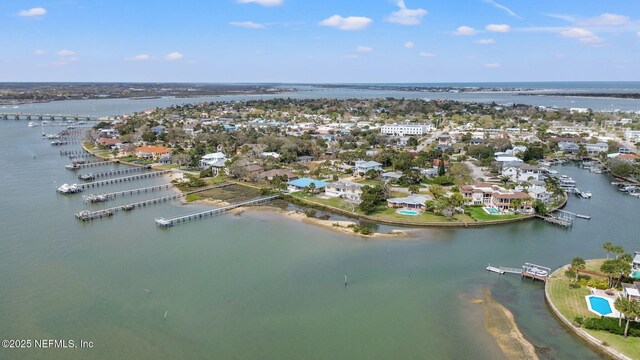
(610, 299)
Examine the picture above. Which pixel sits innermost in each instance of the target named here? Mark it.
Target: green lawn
(571, 303)
(479, 214)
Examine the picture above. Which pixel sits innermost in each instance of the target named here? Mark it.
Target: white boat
(69, 189)
(566, 182)
(32, 124)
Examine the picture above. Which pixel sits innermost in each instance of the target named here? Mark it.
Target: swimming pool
(600, 305)
(491, 211)
(408, 212)
(636, 274)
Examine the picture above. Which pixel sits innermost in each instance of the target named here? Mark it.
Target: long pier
(117, 172)
(87, 215)
(92, 164)
(162, 222)
(528, 270)
(74, 152)
(132, 192)
(122, 179)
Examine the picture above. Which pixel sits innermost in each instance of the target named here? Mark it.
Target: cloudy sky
(320, 40)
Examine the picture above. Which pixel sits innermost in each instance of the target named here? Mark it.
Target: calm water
(124, 106)
(263, 286)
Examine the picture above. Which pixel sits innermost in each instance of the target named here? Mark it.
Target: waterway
(260, 285)
(104, 107)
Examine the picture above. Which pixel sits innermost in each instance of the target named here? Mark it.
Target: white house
(215, 161)
(364, 166)
(405, 129)
(594, 149)
(632, 135)
(345, 190)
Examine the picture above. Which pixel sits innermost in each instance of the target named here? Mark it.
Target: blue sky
(320, 40)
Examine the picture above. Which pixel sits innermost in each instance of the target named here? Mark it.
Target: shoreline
(587, 338)
(340, 226)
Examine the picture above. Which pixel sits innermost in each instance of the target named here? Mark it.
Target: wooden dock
(528, 270)
(92, 164)
(74, 152)
(162, 222)
(131, 192)
(118, 172)
(123, 179)
(87, 215)
(556, 220)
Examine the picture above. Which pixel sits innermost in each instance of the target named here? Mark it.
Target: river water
(260, 285)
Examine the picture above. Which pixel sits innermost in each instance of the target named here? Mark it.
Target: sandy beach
(340, 226)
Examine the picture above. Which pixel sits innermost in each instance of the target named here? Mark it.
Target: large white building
(405, 129)
(632, 135)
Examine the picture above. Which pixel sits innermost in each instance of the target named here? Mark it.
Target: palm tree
(608, 247)
(578, 264)
(630, 309)
(505, 179)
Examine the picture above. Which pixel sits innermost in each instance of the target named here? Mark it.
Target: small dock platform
(162, 222)
(528, 270)
(87, 215)
(74, 152)
(123, 179)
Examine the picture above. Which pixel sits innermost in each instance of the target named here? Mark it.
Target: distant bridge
(50, 117)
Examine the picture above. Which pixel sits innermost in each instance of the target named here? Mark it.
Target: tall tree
(608, 247)
(577, 264)
(630, 309)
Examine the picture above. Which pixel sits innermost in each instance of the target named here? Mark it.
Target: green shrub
(609, 325)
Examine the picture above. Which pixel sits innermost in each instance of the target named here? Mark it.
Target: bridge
(48, 117)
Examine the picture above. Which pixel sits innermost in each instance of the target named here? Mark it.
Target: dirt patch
(500, 323)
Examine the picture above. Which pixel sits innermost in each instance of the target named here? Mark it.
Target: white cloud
(247, 24)
(503, 8)
(503, 28)
(427, 54)
(492, 65)
(140, 57)
(410, 44)
(465, 31)
(347, 23)
(33, 12)
(485, 42)
(583, 35)
(406, 16)
(39, 52)
(173, 56)
(607, 19)
(65, 52)
(262, 2)
(364, 49)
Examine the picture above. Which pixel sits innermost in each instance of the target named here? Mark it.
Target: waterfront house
(344, 190)
(215, 161)
(361, 167)
(568, 147)
(413, 202)
(635, 264)
(303, 183)
(517, 171)
(496, 197)
(595, 149)
(282, 173)
(152, 152)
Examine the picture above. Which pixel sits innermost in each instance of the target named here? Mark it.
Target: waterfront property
(494, 196)
(344, 190)
(631, 291)
(304, 183)
(361, 167)
(414, 202)
(152, 152)
(215, 161)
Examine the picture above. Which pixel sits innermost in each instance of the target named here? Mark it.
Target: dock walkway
(199, 215)
(118, 172)
(87, 215)
(123, 179)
